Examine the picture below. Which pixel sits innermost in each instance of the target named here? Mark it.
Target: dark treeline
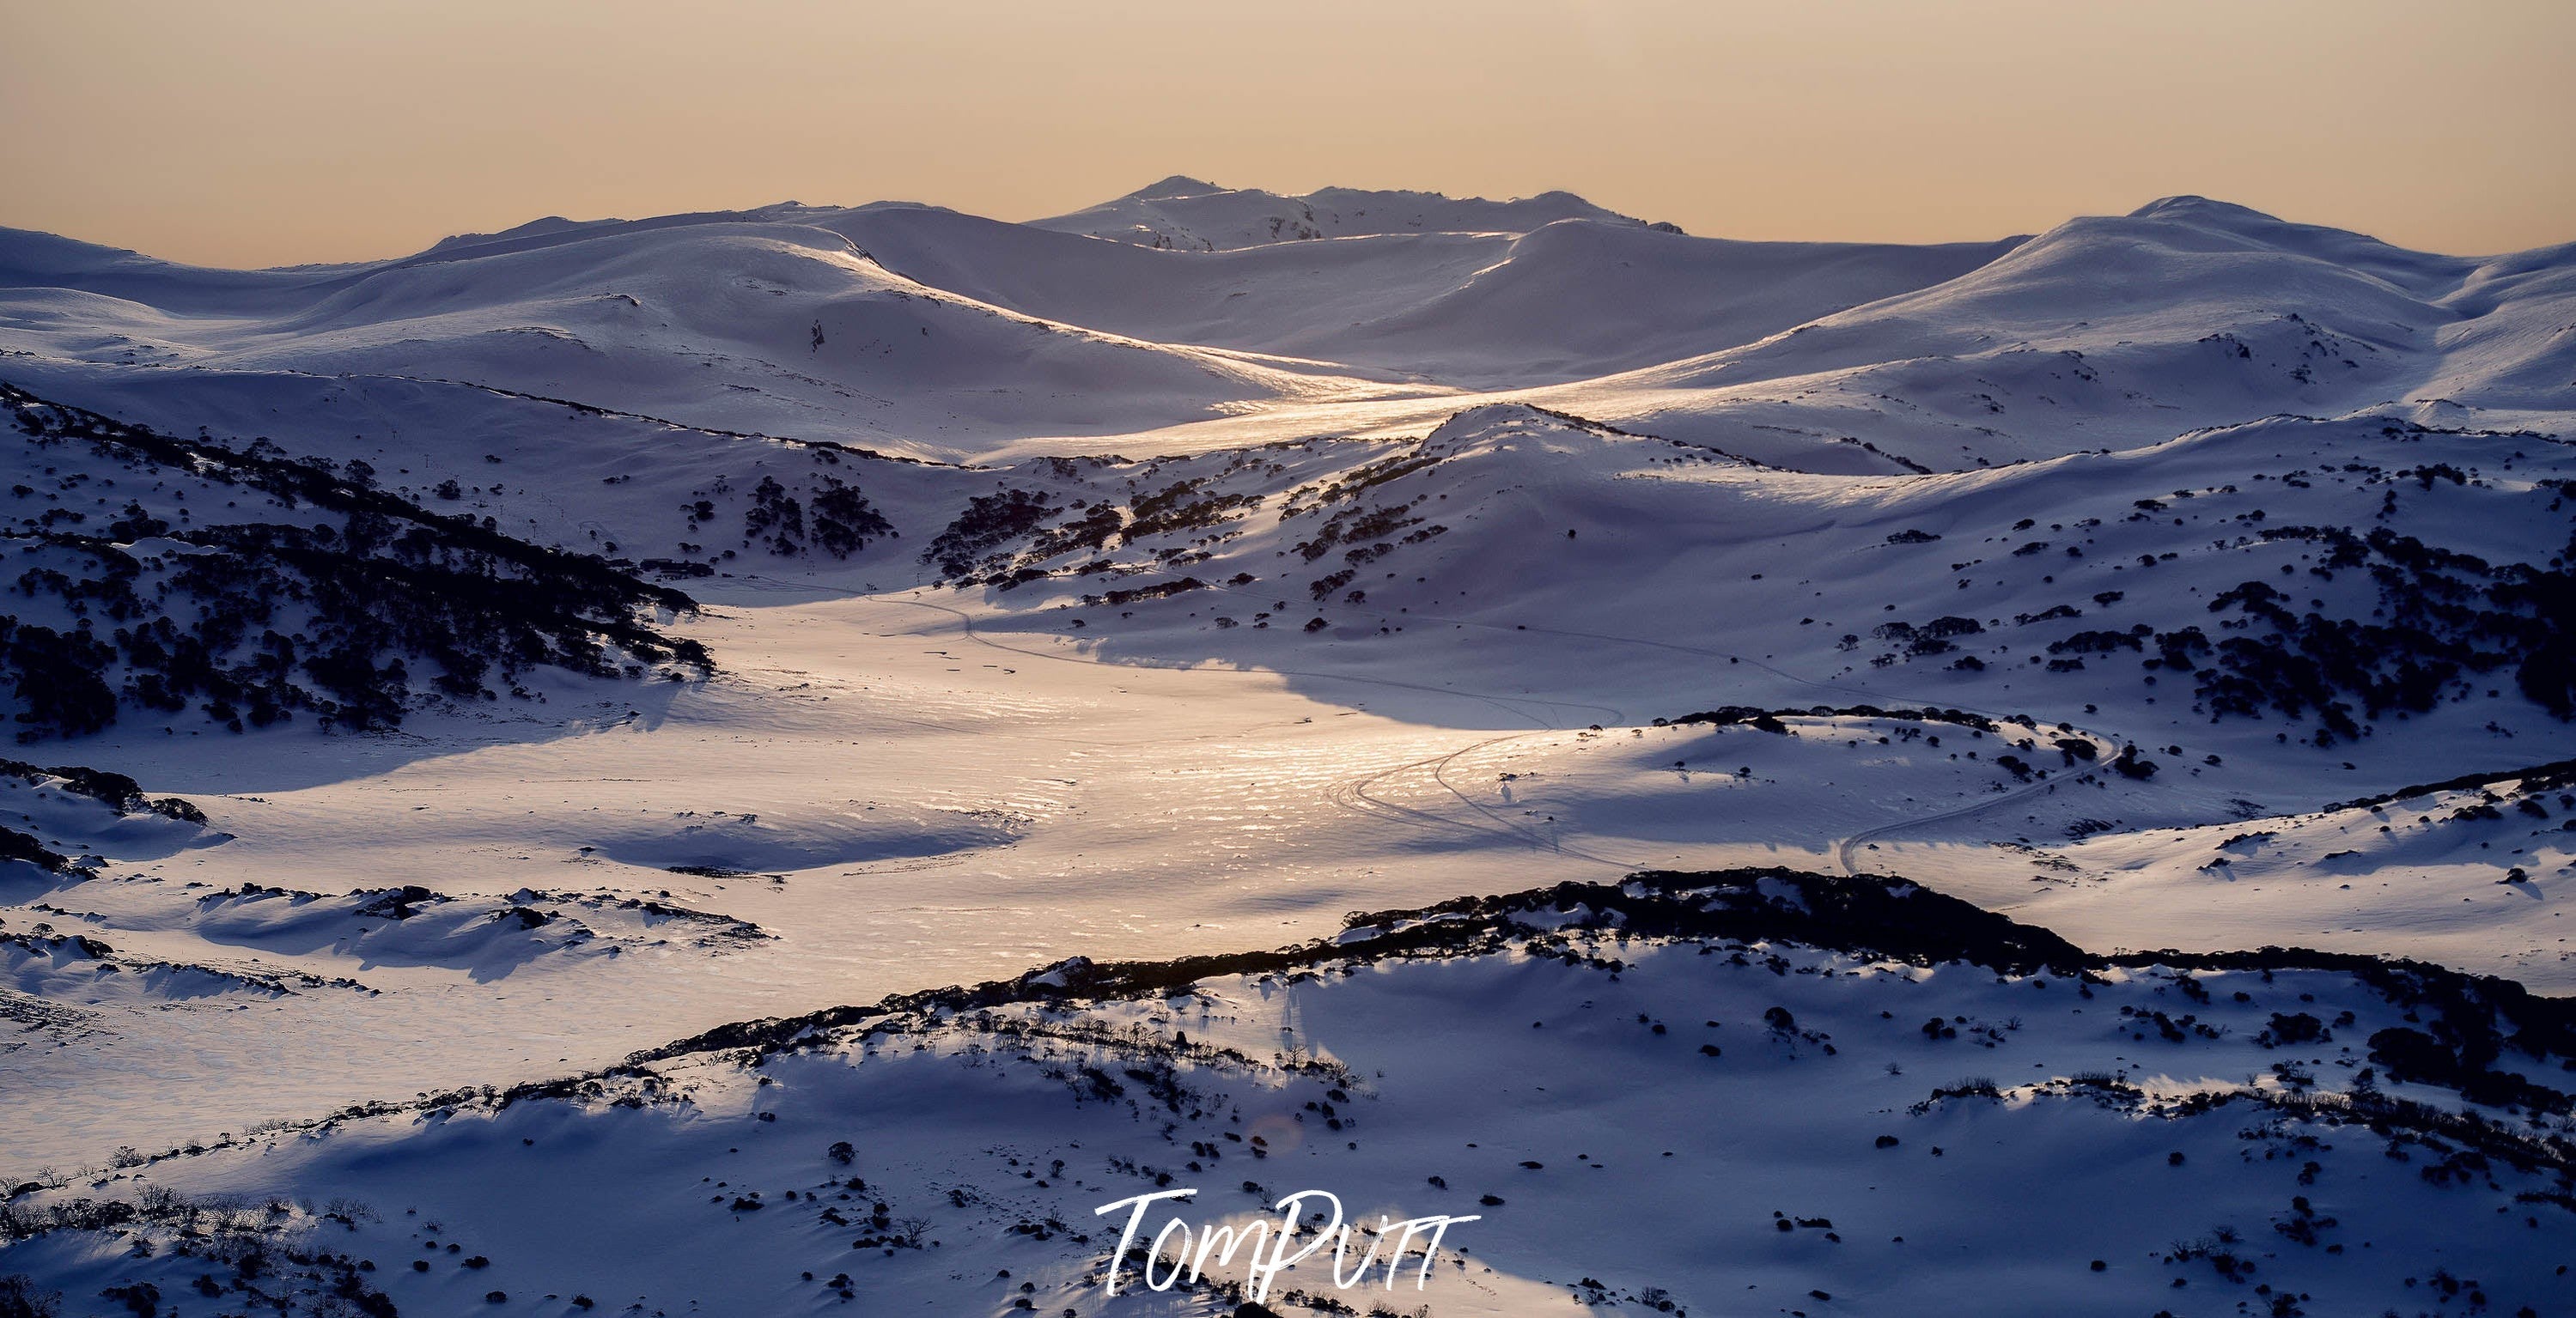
(342, 600)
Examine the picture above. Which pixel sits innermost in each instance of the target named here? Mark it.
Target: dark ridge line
(1875, 916)
(36, 944)
(2556, 773)
(2537, 777)
(322, 489)
(1729, 715)
(114, 790)
(1872, 916)
(27, 847)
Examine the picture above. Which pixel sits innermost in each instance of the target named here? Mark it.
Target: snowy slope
(1504, 633)
(2116, 332)
(607, 313)
(1808, 1122)
(1505, 521)
(943, 333)
(468, 670)
(1565, 300)
(753, 326)
(1189, 215)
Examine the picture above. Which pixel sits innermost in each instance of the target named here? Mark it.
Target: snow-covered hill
(1186, 214)
(928, 332)
(1566, 299)
(1808, 1119)
(443, 676)
(2118, 332)
(764, 323)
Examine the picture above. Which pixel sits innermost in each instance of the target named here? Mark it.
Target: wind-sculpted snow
(2333, 578)
(1134, 593)
(1510, 306)
(87, 812)
(922, 331)
(764, 322)
(2120, 332)
(1812, 1078)
(2469, 864)
(856, 833)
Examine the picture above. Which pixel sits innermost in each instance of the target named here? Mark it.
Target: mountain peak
(2423, 273)
(2186, 206)
(1194, 215)
(1178, 185)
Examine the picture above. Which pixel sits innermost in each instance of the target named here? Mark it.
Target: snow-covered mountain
(2111, 333)
(446, 682)
(1188, 214)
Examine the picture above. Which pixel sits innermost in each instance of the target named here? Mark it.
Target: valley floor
(2021, 777)
(880, 798)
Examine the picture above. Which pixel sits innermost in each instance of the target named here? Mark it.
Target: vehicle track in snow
(1844, 847)
(1365, 793)
(1361, 794)
(2105, 746)
(1353, 793)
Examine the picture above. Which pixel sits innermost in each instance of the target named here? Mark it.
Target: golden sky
(261, 132)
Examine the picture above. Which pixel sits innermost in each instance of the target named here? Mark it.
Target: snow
(1815, 1157)
(1363, 559)
(1187, 214)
